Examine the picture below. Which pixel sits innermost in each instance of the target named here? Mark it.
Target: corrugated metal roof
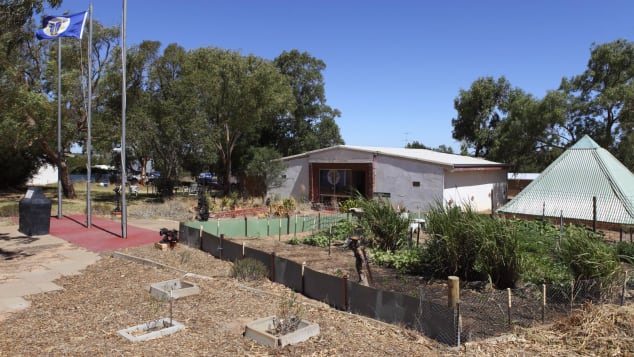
(429, 156)
(568, 185)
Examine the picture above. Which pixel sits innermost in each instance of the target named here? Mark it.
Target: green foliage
(454, 242)
(538, 263)
(320, 239)
(407, 261)
(264, 165)
(9, 210)
(626, 252)
(249, 269)
(289, 205)
(294, 241)
(587, 256)
(388, 230)
(345, 205)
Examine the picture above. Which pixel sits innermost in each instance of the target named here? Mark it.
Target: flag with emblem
(63, 26)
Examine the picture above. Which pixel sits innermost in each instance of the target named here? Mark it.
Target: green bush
(388, 230)
(626, 252)
(249, 269)
(10, 210)
(538, 263)
(406, 261)
(455, 240)
(587, 256)
(320, 239)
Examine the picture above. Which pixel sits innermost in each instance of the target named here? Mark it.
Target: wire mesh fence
(488, 313)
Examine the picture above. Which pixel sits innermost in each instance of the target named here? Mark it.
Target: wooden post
(572, 293)
(303, 267)
(246, 233)
(623, 290)
(272, 267)
(217, 226)
(508, 290)
(222, 237)
(594, 214)
(242, 249)
(543, 302)
(200, 237)
(453, 293)
(295, 234)
(268, 223)
(345, 292)
(329, 239)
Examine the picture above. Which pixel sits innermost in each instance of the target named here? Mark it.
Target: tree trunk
(67, 185)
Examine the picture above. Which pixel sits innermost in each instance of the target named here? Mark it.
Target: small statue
(117, 198)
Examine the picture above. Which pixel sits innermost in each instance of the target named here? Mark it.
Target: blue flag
(63, 26)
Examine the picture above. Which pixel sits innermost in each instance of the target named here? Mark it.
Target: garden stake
(508, 290)
(543, 302)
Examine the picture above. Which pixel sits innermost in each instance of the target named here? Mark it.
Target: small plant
(185, 256)
(294, 241)
(318, 240)
(288, 315)
(249, 269)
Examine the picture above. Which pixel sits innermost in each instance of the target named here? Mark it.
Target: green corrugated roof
(568, 185)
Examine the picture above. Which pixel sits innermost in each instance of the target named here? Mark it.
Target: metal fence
(270, 226)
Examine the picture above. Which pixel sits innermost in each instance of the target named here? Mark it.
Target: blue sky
(394, 67)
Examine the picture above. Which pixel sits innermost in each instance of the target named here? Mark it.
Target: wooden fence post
(543, 302)
(454, 291)
(508, 290)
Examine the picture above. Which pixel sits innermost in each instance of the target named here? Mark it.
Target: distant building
(47, 174)
(413, 179)
(517, 182)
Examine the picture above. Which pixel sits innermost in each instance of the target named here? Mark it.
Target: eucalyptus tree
(22, 105)
(312, 124)
(30, 68)
(238, 96)
(480, 110)
(602, 97)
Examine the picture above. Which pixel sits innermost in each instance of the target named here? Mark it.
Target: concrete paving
(30, 265)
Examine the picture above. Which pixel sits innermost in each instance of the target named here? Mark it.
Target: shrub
(499, 255)
(320, 239)
(587, 256)
(406, 261)
(9, 210)
(389, 230)
(288, 316)
(626, 252)
(454, 242)
(249, 269)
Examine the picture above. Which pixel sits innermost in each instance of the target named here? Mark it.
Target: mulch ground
(113, 294)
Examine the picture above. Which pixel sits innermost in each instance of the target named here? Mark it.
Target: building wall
(296, 183)
(397, 177)
(484, 190)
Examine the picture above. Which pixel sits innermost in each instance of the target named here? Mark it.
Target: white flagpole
(59, 128)
(124, 178)
(89, 139)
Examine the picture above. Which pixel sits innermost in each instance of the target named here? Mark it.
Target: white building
(412, 179)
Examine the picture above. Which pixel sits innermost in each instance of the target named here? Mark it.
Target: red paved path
(103, 235)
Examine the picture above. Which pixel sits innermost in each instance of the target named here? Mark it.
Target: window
(416, 183)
